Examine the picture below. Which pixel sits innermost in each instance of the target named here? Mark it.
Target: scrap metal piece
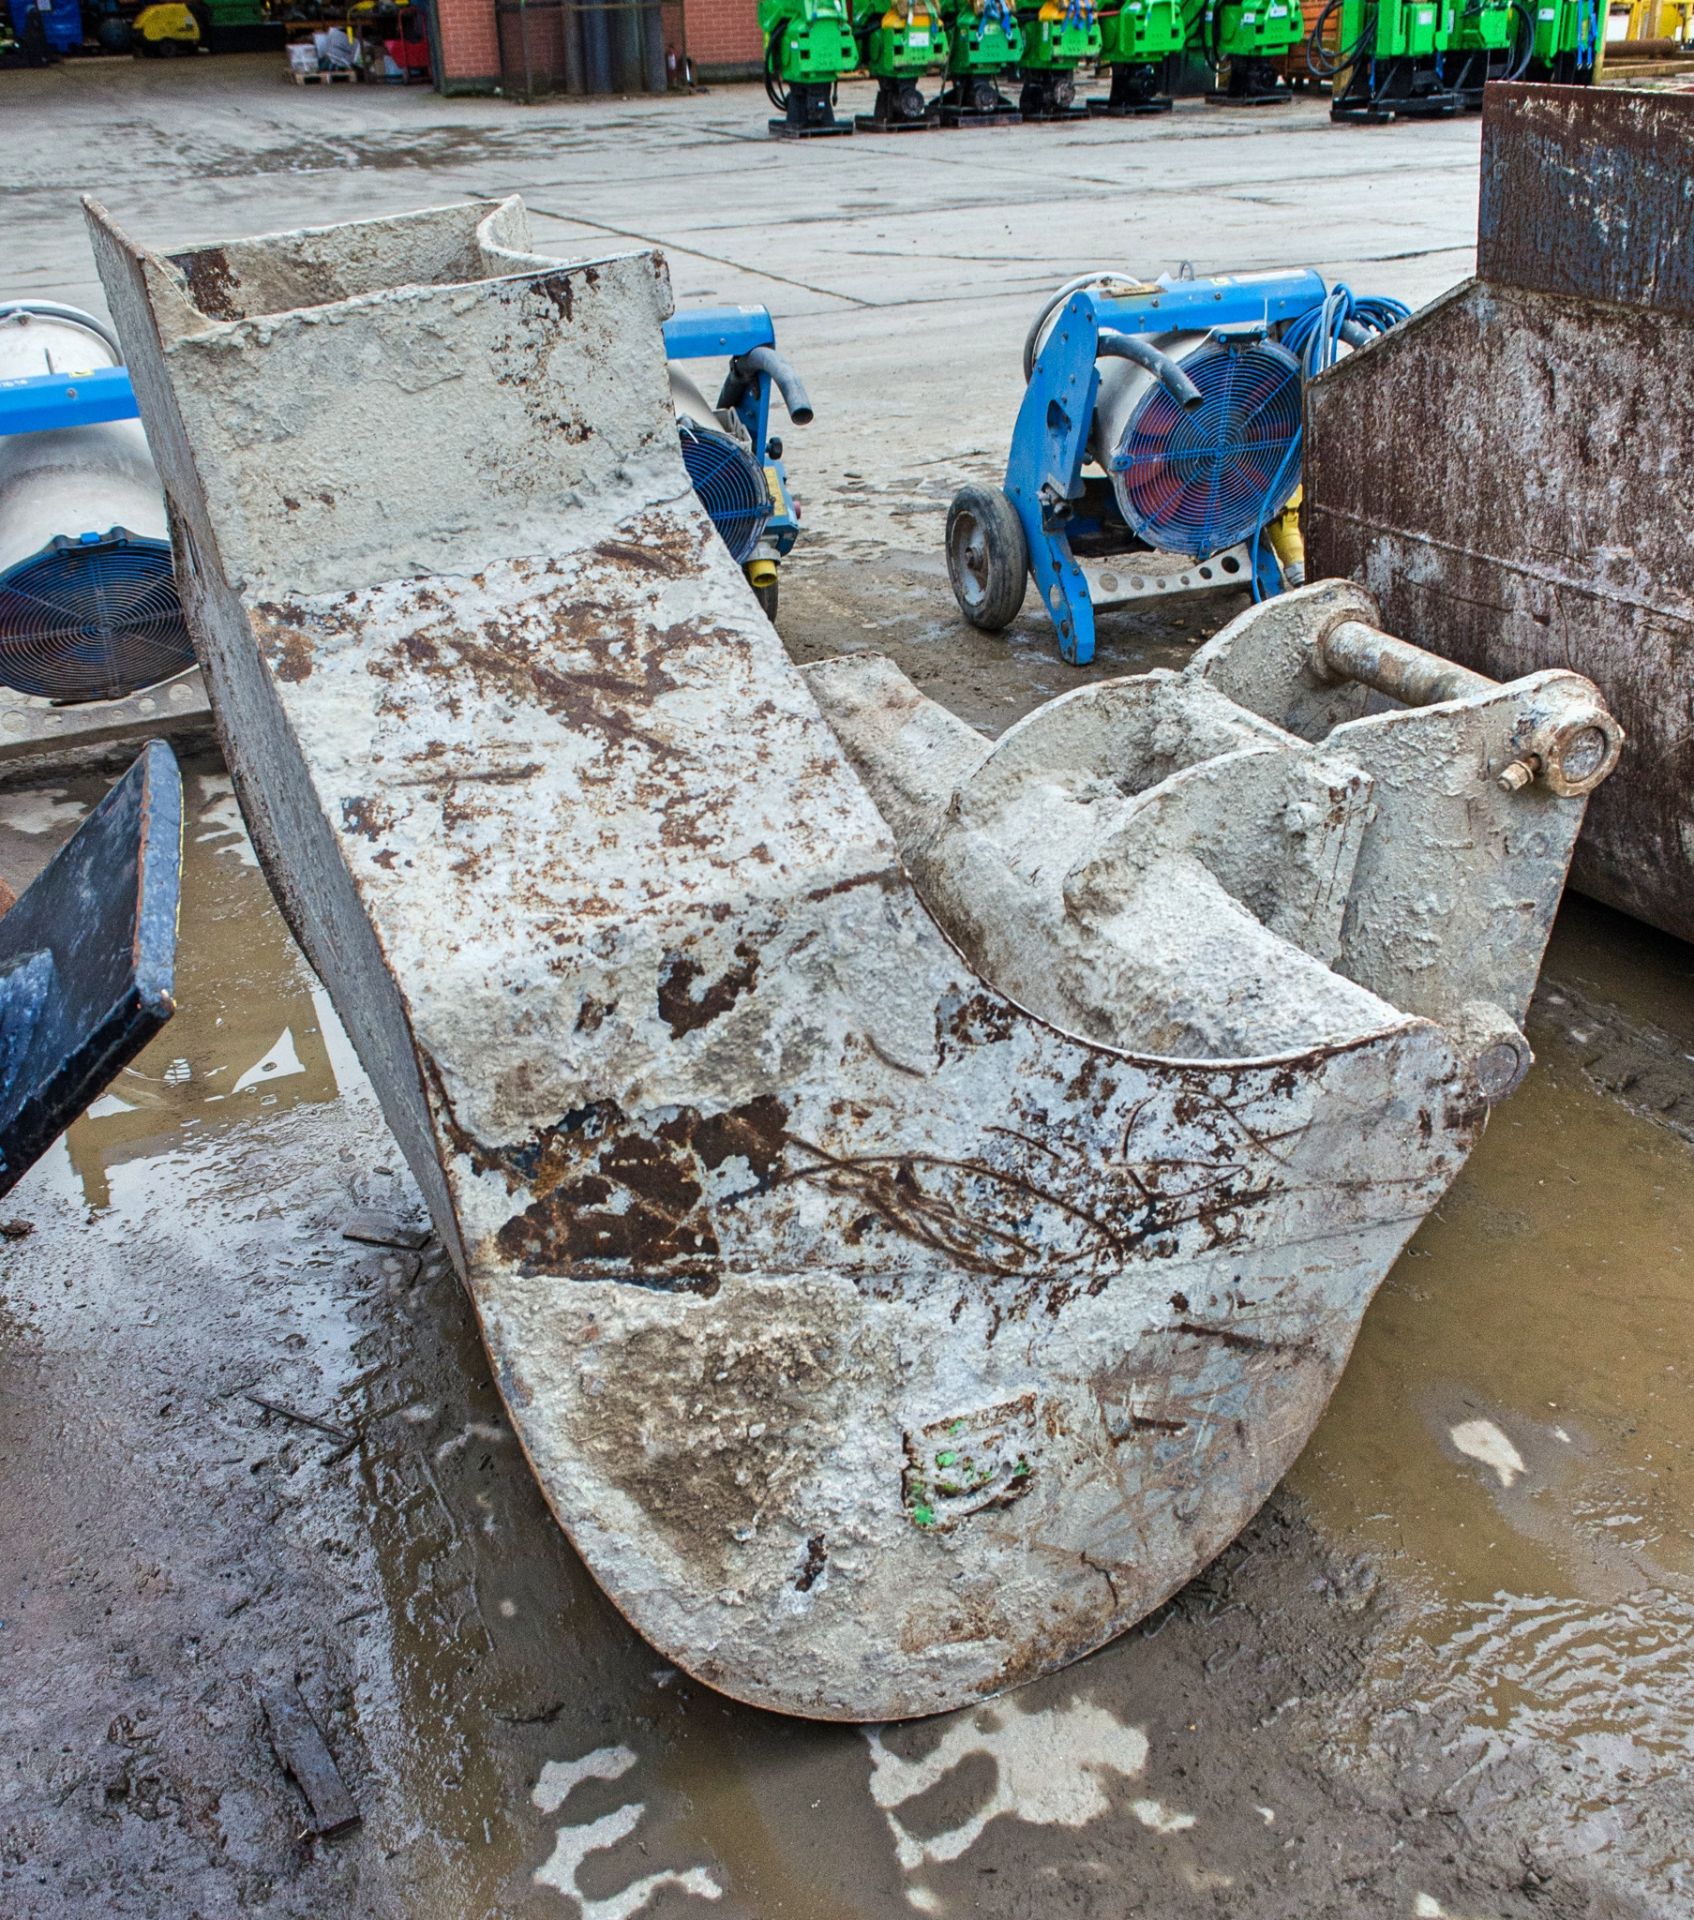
(304, 1756)
(918, 1195)
(1502, 472)
(88, 960)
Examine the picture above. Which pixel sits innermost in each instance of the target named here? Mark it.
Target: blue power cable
(1315, 338)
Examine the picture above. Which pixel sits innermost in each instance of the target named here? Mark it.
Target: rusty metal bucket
(1507, 472)
(918, 1193)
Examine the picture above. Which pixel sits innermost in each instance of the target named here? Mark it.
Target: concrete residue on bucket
(899, 1285)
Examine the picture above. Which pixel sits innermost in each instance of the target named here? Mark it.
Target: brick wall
(467, 46)
(723, 38)
(723, 41)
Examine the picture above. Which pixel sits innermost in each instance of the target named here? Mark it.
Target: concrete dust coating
(1447, 1671)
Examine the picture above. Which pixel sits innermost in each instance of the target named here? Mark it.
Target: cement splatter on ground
(577, 1841)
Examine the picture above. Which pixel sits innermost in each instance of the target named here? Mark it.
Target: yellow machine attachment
(1653, 20)
(166, 28)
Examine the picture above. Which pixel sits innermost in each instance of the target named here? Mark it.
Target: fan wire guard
(92, 619)
(1197, 480)
(730, 486)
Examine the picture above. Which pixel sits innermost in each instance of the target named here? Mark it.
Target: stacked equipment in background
(1138, 41)
(1058, 37)
(1389, 59)
(1382, 58)
(898, 45)
(984, 47)
(1246, 39)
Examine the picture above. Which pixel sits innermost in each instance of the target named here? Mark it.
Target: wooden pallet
(332, 73)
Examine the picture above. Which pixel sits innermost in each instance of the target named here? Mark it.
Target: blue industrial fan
(732, 457)
(1185, 397)
(88, 602)
(730, 484)
(1200, 478)
(93, 618)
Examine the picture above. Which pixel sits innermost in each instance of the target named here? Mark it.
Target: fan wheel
(92, 620)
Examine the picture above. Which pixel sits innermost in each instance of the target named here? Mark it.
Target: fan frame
(129, 644)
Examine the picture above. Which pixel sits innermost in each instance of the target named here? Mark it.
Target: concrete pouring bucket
(918, 1193)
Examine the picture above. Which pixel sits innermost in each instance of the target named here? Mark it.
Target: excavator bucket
(918, 1193)
(1504, 470)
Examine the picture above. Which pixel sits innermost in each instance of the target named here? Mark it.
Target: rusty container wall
(1506, 474)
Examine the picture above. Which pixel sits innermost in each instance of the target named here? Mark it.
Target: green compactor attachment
(984, 44)
(1058, 37)
(1137, 42)
(809, 46)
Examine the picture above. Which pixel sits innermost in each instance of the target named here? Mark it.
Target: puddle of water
(1514, 1439)
(253, 1033)
(1645, 974)
(175, 1526)
(564, 1867)
(1051, 1769)
(1518, 1416)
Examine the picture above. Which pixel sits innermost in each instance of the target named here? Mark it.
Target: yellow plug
(1287, 541)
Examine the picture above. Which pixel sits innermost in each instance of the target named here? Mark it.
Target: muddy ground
(1449, 1670)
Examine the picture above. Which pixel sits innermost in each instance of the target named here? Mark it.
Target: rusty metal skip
(918, 1193)
(1504, 471)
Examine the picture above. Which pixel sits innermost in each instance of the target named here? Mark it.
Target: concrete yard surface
(249, 1439)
